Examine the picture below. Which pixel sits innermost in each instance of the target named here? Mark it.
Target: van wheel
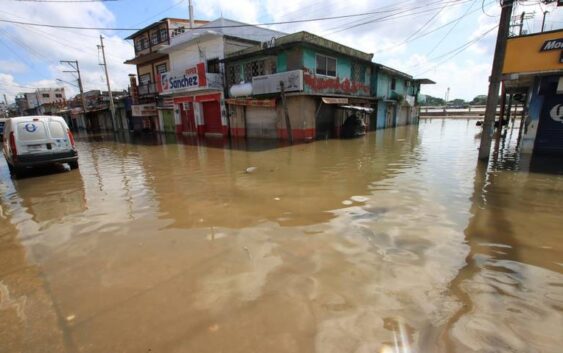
(73, 165)
(14, 171)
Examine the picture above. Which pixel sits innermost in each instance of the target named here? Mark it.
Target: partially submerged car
(31, 141)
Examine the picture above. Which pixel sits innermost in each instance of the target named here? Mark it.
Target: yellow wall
(145, 69)
(523, 54)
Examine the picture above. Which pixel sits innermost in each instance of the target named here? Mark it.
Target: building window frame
(153, 37)
(393, 84)
(158, 68)
(142, 79)
(163, 34)
(213, 66)
(45, 95)
(320, 71)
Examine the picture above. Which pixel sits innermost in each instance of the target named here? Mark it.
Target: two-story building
(150, 63)
(324, 82)
(194, 84)
(397, 96)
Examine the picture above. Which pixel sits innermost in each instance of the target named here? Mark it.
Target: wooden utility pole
(494, 80)
(111, 106)
(286, 113)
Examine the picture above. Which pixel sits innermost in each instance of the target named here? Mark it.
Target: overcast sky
(419, 37)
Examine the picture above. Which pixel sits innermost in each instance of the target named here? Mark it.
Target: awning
(266, 103)
(357, 107)
(335, 100)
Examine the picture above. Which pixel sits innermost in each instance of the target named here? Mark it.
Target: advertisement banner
(144, 110)
(190, 79)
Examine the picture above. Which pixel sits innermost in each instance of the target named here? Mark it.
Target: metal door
(549, 138)
(261, 122)
(212, 117)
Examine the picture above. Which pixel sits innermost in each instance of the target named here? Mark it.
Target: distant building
(44, 101)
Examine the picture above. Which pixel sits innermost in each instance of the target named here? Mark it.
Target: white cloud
(45, 47)
(13, 66)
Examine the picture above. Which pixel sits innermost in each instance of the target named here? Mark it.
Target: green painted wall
(282, 62)
(309, 60)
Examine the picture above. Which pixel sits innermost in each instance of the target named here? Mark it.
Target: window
(141, 44)
(56, 129)
(163, 34)
(58, 95)
(326, 66)
(45, 95)
(154, 37)
(358, 72)
(393, 84)
(145, 79)
(161, 68)
(233, 74)
(213, 66)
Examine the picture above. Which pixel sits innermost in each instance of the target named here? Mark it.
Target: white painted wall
(192, 54)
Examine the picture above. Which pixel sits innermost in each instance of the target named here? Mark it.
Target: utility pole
(543, 21)
(5, 99)
(76, 70)
(447, 96)
(191, 10)
(111, 106)
(522, 22)
(494, 80)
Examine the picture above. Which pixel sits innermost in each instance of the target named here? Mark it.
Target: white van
(38, 140)
(2, 123)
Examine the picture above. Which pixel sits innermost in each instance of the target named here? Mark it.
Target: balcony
(149, 89)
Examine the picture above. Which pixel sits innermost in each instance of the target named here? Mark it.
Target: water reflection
(392, 240)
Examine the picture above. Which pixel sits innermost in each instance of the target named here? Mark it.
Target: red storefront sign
(191, 79)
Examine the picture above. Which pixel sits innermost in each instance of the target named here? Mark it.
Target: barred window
(358, 72)
(233, 74)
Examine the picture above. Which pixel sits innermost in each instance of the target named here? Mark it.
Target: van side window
(56, 129)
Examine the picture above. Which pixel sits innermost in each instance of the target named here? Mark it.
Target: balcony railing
(148, 89)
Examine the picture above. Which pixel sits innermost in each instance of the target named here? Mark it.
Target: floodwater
(396, 242)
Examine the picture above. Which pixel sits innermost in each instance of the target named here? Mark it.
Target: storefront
(198, 102)
(533, 68)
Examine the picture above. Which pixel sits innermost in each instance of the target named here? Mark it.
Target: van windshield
(31, 130)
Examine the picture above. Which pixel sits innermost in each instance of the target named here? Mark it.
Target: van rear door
(32, 137)
(60, 141)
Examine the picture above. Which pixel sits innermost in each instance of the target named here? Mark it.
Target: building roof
(393, 71)
(157, 23)
(223, 27)
(303, 38)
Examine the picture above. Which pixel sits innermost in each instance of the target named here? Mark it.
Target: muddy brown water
(398, 240)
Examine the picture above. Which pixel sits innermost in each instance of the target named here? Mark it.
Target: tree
(434, 101)
(458, 102)
(479, 100)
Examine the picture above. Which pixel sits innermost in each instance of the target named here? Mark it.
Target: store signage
(265, 103)
(266, 84)
(190, 79)
(552, 44)
(144, 110)
(556, 113)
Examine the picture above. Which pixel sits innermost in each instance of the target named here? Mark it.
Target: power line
(426, 33)
(455, 52)
(392, 16)
(66, 1)
(204, 28)
(451, 29)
